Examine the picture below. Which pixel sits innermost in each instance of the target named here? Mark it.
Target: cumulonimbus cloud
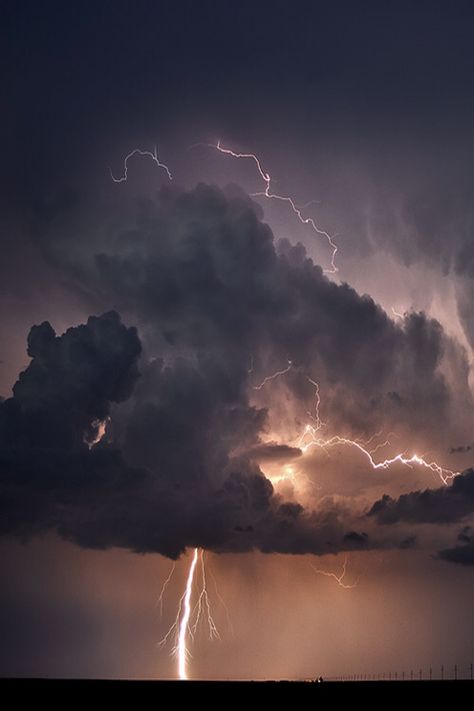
(216, 303)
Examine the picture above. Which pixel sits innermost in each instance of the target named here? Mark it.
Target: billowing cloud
(200, 274)
(217, 306)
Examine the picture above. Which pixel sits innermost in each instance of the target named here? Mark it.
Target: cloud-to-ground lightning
(338, 578)
(139, 152)
(183, 627)
(188, 617)
(298, 210)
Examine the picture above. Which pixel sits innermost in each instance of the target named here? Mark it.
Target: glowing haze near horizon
(116, 443)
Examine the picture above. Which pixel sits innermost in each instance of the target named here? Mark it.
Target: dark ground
(64, 691)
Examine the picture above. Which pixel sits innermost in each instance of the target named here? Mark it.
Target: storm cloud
(447, 504)
(463, 553)
(215, 305)
(201, 274)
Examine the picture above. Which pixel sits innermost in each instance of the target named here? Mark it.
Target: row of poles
(445, 673)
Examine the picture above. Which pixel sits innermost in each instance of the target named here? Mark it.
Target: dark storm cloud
(273, 452)
(199, 274)
(421, 211)
(447, 504)
(464, 553)
(187, 490)
(461, 449)
(459, 554)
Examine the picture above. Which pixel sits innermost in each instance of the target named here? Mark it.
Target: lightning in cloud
(318, 423)
(273, 376)
(309, 439)
(144, 154)
(99, 428)
(338, 578)
(266, 193)
(297, 210)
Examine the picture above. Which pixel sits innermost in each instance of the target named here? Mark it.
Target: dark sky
(182, 296)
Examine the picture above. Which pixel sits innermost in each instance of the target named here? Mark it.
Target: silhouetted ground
(64, 691)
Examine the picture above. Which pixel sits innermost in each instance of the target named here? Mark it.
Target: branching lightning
(203, 605)
(298, 210)
(309, 439)
(139, 152)
(165, 585)
(338, 578)
(188, 617)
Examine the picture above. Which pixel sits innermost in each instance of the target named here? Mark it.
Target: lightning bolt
(397, 313)
(100, 427)
(309, 434)
(338, 578)
(203, 604)
(267, 193)
(309, 438)
(275, 375)
(187, 618)
(144, 154)
(318, 423)
(182, 649)
(163, 589)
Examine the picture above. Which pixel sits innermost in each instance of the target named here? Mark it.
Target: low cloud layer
(447, 504)
(463, 553)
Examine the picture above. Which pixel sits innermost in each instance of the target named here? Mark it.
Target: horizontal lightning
(309, 439)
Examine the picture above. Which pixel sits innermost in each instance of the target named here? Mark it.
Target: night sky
(185, 365)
